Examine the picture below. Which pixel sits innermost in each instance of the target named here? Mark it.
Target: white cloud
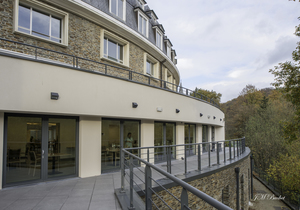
(225, 45)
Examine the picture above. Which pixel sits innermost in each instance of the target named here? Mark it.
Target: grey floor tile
(77, 203)
(81, 193)
(24, 204)
(102, 205)
(51, 203)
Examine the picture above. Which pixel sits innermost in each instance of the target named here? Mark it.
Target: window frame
(47, 10)
(112, 37)
(161, 39)
(155, 65)
(123, 17)
(145, 17)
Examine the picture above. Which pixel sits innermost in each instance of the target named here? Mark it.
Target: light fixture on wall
(201, 114)
(220, 119)
(54, 96)
(134, 105)
(208, 116)
(214, 117)
(177, 110)
(159, 109)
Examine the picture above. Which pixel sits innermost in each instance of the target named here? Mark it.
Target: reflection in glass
(112, 50)
(55, 29)
(190, 138)
(164, 134)
(24, 19)
(23, 152)
(114, 6)
(40, 24)
(61, 147)
(110, 147)
(120, 8)
(205, 137)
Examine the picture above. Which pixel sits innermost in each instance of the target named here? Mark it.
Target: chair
(33, 162)
(13, 157)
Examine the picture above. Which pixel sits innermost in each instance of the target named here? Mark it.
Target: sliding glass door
(190, 138)
(38, 148)
(117, 134)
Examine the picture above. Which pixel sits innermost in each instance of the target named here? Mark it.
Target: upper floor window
(42, 21)
(150, 68)
(113, 50)
(159, 37)
(117, 7)
(39, 24)
(141, 3)
(143, 25)
(169, 51)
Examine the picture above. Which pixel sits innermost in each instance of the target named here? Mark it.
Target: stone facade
(83, 41)
(219, 185)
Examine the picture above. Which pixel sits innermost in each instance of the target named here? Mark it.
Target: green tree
(287, 80)
(208, 95)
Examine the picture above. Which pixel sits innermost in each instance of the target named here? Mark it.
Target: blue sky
(225, 45)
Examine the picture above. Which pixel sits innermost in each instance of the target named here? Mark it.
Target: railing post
(230, 149)
(76, 62)
(148, 186)
(199, 157)
(149, 81)
(105, 69)
(122, 171)
(187, 92)
(208, 154)
(237, 171)
(233, 149)
(184, 199)
(224, 150)
(131, 184)
(169, 159)
(148, 155)
(237, 148)
(251, 167)
(185, 160)
(36, 53)
(218, 155)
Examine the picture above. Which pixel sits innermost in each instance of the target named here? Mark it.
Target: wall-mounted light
(177, 110)
(54, 96)
(134, 105)
(159, 109)
(201, 114)
(208, 116)
(214, 117)
(220, 119)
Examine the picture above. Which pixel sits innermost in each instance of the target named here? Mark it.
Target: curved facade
(82, 79)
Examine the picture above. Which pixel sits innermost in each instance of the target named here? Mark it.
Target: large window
(113, 50)
(151, 65)
(42, 21)
(143, 25)
(117, 7)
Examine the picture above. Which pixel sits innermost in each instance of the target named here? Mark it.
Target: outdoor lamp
(177, 110)
(54, 96)
(134, 105)
(201, 114)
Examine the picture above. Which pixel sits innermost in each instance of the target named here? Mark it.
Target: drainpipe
(161, 69)
(251, 174)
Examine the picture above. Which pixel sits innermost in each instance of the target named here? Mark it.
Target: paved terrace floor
(84, 193)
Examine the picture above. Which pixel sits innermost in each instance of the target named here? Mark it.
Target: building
(82, 78)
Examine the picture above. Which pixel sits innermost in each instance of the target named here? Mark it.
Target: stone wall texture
(83, 41)
(220, 185)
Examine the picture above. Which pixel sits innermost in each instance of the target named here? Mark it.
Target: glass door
(164, 134)
(190, 138)
(39, 148)
(204, 138)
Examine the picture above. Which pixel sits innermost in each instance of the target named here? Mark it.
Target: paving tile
(51, 203)
(24, 204)
(102, 205)
(77, 203)
(81, 192)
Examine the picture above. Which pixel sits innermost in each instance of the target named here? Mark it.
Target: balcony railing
(31, 52)
(146, 179)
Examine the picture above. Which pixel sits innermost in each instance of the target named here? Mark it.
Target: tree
(287, 80)
(208, 95)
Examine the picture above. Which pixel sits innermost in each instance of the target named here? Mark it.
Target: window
(143, 25)
(42, 21)
(117, 7)
(149, 67)
(169, 51)
(113, 50)
(159, 39)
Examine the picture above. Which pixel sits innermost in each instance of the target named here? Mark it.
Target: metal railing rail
(128, 166)
(38, 54)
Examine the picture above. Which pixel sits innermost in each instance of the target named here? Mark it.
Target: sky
(224, 45)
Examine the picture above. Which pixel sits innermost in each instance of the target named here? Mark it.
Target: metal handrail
(238, 149)
(163, 84)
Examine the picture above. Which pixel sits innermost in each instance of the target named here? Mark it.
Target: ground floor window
(39, 148)
(164, 134)
(117, 134)
(190, 138)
